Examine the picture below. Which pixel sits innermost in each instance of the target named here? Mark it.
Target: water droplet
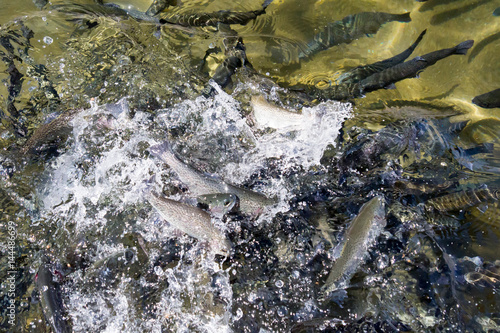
(158, 271)
(47, 40)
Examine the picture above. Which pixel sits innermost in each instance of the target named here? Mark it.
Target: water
(80, 196)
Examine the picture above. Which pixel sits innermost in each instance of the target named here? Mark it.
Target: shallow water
(80, 196)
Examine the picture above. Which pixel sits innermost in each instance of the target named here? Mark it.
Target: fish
(158, 6)
(40, 3)
(359, 237)
(49, 132)
(219, 203)
(434, 3)
(488, 100)
(106, 272)
(411, 68)
(267, 115)
(250, 202)
(235, 57)
(463, 199)
(482, 44)
(50, 297)
(82, 13)
(191, 220)
(369, 151)
(445, 16)
(349, 29)
(215, 18)
(361, 72)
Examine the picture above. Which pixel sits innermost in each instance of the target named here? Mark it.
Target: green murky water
(80, 196)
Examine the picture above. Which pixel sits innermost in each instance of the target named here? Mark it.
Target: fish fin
(463, 47)
(160, 149)
(390, 86)
(266, 3)
(405, 17)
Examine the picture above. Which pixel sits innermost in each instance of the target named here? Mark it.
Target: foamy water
(106, 171)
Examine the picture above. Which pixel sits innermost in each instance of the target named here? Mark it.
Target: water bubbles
(158, 271)
(279, 284)
(47, 40)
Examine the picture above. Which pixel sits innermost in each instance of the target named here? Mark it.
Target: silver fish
(192, 220)
(50, 297)
(360, 235)
(199, 184)
(220, 203)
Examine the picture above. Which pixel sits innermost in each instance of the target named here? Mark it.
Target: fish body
(411, 68)
(95, 10)
(40, 3)
(482, 44)
(488, 100)
(361, 72)
(215, 18)
(50, 298)
(220, 203)
(158, 6)
(349, 29)
(108, 271)
(268, 115)
(463, 199)
(360, 235)
(50, 131)
(191, 220)
(199, 184)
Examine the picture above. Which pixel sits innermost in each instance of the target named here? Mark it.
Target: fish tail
(162, 150)
(463, 47)
(405, 17)
(266, 4)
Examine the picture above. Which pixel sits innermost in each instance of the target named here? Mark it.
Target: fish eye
(227, 202)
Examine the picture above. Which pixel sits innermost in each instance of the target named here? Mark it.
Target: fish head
(220, 203)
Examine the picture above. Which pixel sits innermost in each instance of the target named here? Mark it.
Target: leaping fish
(199, 184)
(192, 220)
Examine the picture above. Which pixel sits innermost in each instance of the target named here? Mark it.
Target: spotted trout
(359, 237)
(199, 184)
(191, 220)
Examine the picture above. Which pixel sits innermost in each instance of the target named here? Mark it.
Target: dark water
(76, 191)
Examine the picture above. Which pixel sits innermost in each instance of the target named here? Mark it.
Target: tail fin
(405, 17)
(162, 150)
(463, 47)
(266, 4)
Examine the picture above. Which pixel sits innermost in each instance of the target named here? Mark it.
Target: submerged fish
(482, 44)
(199, 184)
(349, 29)
(106, 272)
(488, 100)
(219, 203)
(40, 3)
(361, 72)
(411, 68)
(215, 18)
(94, 10)
(359, 237)
(158, 5)
(191, 220)
(50, 297)
(463, 199)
